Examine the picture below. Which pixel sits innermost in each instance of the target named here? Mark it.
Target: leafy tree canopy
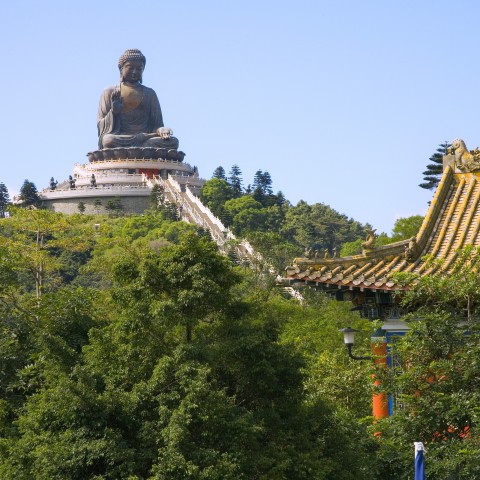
(177, 365)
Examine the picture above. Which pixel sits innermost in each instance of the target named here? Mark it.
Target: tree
(157, 196)
(36, 240)
(170, 212)
(176, 366)
(81, 207)
(262, 187)
(97, 204)
(114, 206)
(274, 249)
(434, 170)
(236, 205)
(235, 181)
(219, 173)
(214, 194)
(192, 279)
(4, 199)
(262, 181)
(437, 375)
(405, 228)
(29, 194)
(319, 226)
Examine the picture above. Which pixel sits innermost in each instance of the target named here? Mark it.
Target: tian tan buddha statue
(129, 114)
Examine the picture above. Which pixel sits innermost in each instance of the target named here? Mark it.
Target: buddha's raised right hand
(117, 102)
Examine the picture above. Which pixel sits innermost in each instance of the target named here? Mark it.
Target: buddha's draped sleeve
(106, 122)
(155, 117)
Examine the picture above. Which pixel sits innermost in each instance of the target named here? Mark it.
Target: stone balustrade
(103, 190)
(151, 163)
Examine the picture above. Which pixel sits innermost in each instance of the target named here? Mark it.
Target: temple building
(126, 174)
(452, 222)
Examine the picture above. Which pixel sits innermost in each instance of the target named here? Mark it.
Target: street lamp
(349, 339)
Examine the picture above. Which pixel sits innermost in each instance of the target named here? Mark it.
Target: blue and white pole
(419, 461)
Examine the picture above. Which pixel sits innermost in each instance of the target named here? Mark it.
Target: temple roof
(452, 222)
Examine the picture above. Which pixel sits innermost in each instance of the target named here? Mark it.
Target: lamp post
(349, 339)
(379, 350)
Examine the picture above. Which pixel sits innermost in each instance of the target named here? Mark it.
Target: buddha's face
(131, 71)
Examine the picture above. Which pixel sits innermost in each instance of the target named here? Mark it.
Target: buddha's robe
(140, 117)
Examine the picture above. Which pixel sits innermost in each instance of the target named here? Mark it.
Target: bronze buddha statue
(129, 114)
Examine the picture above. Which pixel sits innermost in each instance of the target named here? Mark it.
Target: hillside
(131, 348)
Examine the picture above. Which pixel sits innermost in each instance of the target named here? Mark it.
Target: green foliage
(272, 247)
(437, 384)
(405, 228)
(313, 332)
(174, 366)
(235, 181)
(97, 204)
(262, 184)
(215, 193)
(236, 205)
(437, 374)
(114, 206)
(352, 248)
(219, 173)
(434, 170)
(81, 207)
(36, 239)
(157, 196)
(319, 226)
(29, 194)
(4, 199)
(258, 210)
(194, 278)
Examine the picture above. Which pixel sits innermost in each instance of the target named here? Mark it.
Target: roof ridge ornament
(410, 249)
(369, 243)
(465, 160)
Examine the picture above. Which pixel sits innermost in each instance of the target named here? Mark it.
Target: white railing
(206, 211)
(107, 173)
(148, 182)
(97, 163)
(86, 191)
(188, 208)
(174, 184)
(203, 217)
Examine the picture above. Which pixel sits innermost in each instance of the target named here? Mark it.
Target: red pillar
(379, 400)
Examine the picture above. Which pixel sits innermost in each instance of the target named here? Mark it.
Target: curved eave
(452, 222)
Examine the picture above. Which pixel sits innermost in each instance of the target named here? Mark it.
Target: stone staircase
(192, 210)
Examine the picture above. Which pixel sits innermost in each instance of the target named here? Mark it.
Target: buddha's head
(131, 65)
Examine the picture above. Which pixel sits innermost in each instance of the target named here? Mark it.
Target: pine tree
(235, 181)
(29, 194)
(219, 173)
(4, 199)
(262, 181)
(262, 188)
(434, 170)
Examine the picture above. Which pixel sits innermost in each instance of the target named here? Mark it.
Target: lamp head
(349, 335)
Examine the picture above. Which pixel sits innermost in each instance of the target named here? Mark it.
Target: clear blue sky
(342, 102)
